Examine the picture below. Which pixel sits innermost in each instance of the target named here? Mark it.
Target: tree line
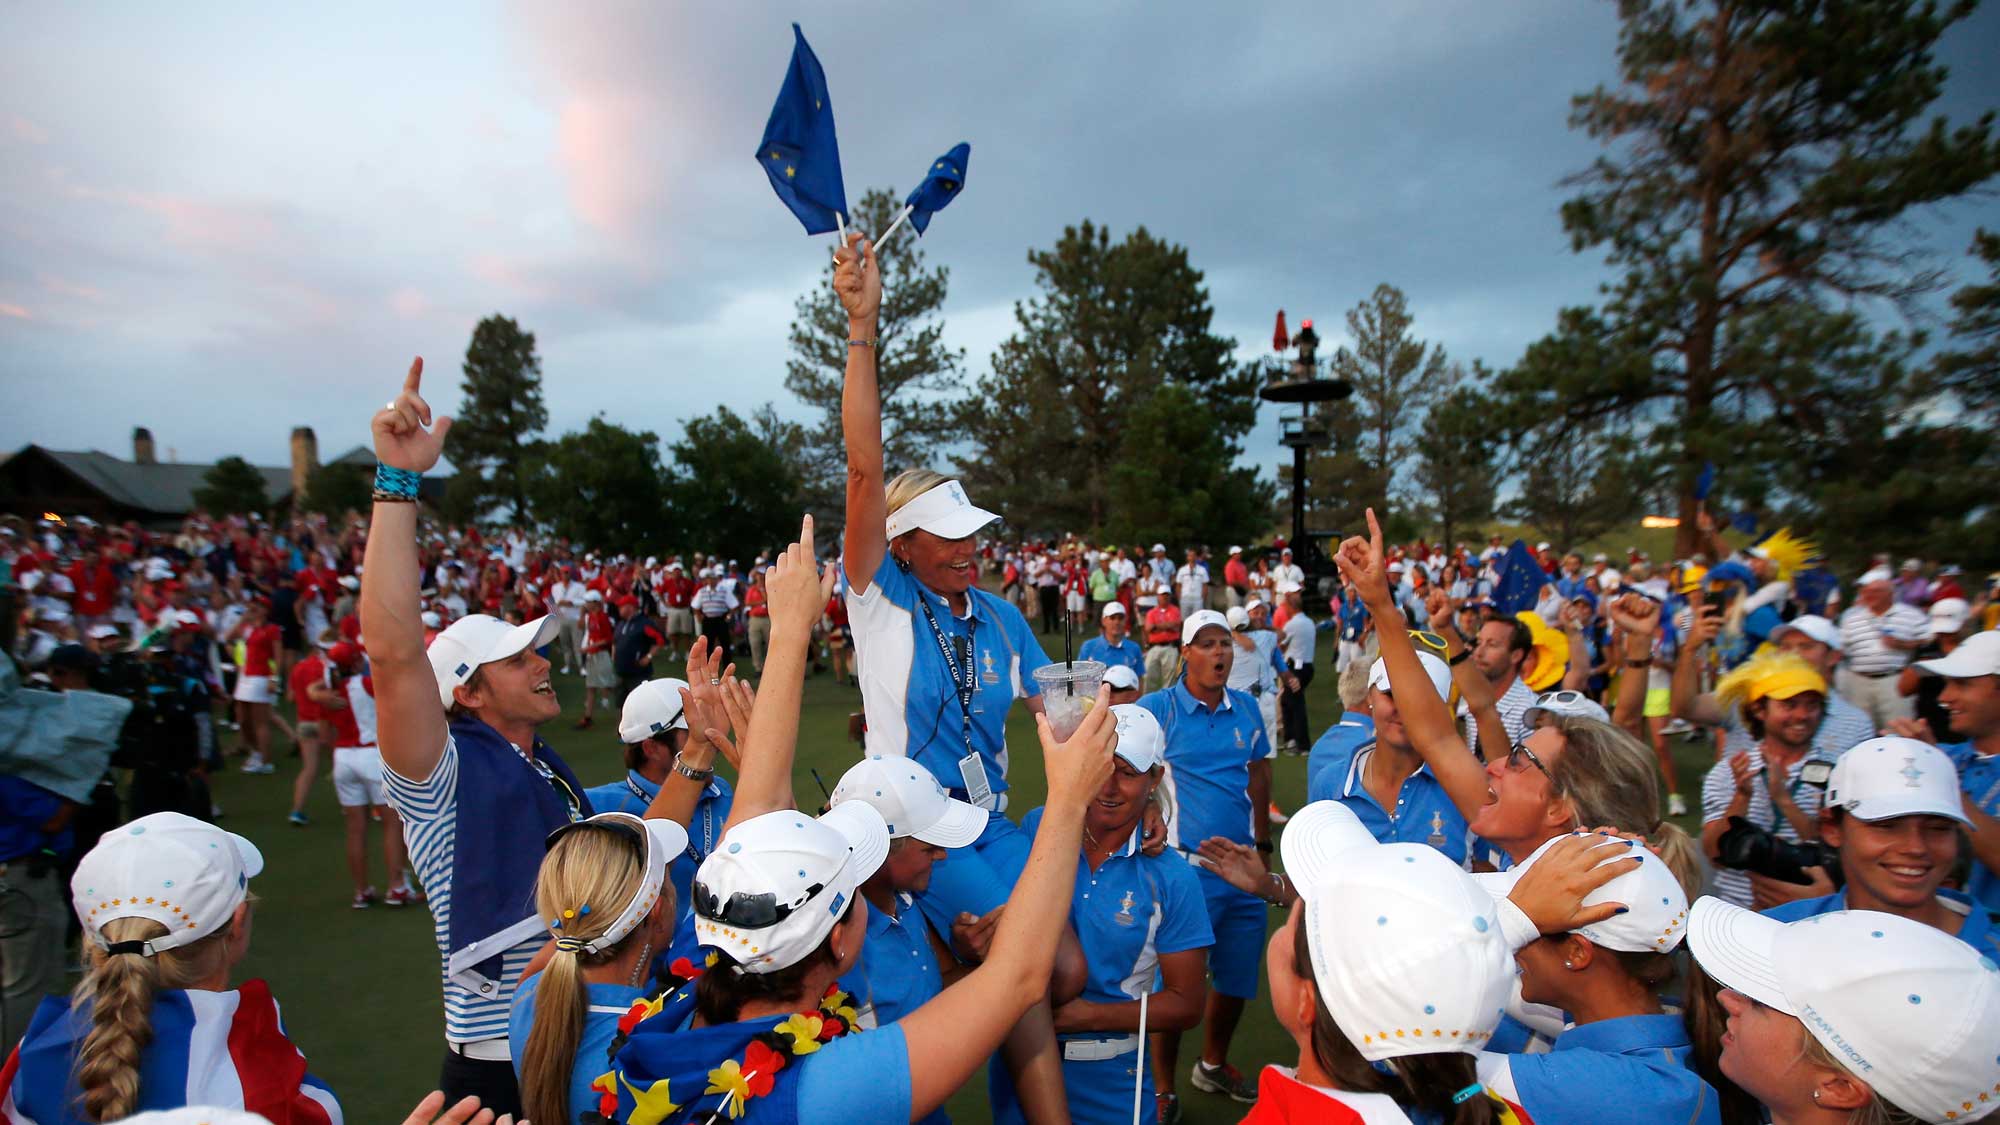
(1766, 327)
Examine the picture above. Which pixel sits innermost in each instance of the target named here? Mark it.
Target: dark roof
(166, 487)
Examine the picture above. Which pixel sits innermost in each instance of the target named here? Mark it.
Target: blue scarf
(505, 810)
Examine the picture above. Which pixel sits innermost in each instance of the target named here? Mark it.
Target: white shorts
(1076, 602)
(253, 689)
(357, 776)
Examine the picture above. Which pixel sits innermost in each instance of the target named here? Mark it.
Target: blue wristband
(399, 483)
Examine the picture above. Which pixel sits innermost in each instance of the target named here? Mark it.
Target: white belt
(1093, 1050)
(485, 1050)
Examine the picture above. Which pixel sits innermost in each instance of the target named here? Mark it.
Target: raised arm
(1638, 619)
(1472, 684)
(1426, 716)
(1688, 701)
(957, 1029)
(857, 278)
(409, 719)
(797, 590)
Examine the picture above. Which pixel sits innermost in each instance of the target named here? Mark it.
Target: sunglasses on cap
(1563, 698)
(744, 910)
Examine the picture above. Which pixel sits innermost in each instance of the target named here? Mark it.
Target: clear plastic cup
(1069, 691)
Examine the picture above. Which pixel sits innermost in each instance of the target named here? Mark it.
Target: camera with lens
(1750, 847)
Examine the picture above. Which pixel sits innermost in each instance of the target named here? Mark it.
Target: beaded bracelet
(396, 486)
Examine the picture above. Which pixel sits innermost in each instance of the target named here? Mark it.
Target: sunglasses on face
(1519, 751)
(745, 910)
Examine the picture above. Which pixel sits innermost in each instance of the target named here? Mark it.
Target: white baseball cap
(1892, 776)
(1812, 625)
(477, 639)
(1569, 704)
(1201, 619)
(653, 709)
(1237, 616)
(183, 873)
(911, 801)
(1948, 615)
(791, 874)
(1909, 1009)
(593, 595)
(430, 619)
(195, 1115)
(1976, 655)
(944, 511)
(1235, 550)
(1438, 670)
(1289, 587)
(1112, 609)
(1254, 603)
(1159, 548)
(1315, 836)
(1874, 575)
(1406, 951)
(1141, 741)
(660, 841)
(349, 582)
(1121, 678)
(1656, 908)
(101, 632)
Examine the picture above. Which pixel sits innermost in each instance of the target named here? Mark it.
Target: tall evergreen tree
(1760, 153)
(1457, 456)
(1971, 370)
(734, 487)
(501, 417)
(1112, 324)
(602, 487)
(1396, 377)
(918, 375)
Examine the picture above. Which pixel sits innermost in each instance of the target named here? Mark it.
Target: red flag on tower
(1281, 339)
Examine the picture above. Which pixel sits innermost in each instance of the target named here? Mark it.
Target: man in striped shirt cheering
(456, 726)
(1879, 634)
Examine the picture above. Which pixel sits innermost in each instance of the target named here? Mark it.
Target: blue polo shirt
(899, 969)
(906, 686)
(24, 808)
(1209, 751)
(606, 1005)
(1127, 653)
(1423, 813)
(1336, 747)
(711, 812)
(1630, 1069)
(1979, 779)
(1977, 930)
(1127, 913)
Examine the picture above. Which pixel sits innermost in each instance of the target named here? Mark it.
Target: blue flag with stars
(1521, 581)
(798, 151)
(941, 185)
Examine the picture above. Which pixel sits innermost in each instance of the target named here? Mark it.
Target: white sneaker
(1677, 726)
(257, 764)
(1676, 805)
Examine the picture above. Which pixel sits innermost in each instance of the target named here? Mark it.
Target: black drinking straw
(1069, 651)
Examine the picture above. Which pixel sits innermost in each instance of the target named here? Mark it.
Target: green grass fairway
(360, 987)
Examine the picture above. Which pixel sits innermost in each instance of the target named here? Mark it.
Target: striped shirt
(1861, 637)
(714, 601)
(429, 809)
(1718, 788)
(1513, 707)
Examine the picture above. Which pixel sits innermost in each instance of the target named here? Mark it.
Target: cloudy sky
(221, 221)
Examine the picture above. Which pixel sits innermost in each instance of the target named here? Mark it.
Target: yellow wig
(1787, 552)
(1769, 675)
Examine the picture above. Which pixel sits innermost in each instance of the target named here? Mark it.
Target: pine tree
(501, 417)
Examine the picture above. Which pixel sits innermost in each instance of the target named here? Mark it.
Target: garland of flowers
(737, 1080)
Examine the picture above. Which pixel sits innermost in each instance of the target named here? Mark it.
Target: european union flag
(1521, 581)
(941, 185)
(1705, 482)
(798, 151)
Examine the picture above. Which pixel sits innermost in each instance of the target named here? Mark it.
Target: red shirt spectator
(259, 646)
(305, 673)
(1163, 625)
(755, 602)
(96, 583)
(678, 590)
(1235, 574)
(597, 629)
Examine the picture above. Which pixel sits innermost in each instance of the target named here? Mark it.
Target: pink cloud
(64, 288)
(15, 311)
(22, 129)
(409, 304)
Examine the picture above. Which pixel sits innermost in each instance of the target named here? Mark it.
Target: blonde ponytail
(118, 989)
(601, 869)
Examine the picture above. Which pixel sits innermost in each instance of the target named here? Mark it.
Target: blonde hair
(603, 868)
(1608, 777)
(119, 988)
(910, 484)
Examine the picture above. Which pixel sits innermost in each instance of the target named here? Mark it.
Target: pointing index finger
(1374, 532)
(413, 381)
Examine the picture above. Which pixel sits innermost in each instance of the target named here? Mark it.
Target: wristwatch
(690, 772)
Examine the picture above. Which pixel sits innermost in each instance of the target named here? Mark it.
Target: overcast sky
(222, 221)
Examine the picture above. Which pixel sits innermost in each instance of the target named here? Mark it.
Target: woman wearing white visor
(772, 1039)
(941, 661)
(604, 895)
(1854, 1016)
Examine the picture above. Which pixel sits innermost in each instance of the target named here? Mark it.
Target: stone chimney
(305, 458)
(142, 446)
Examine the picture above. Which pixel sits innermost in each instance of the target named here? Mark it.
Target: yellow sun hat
(1551, 649)
(1768, 675)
